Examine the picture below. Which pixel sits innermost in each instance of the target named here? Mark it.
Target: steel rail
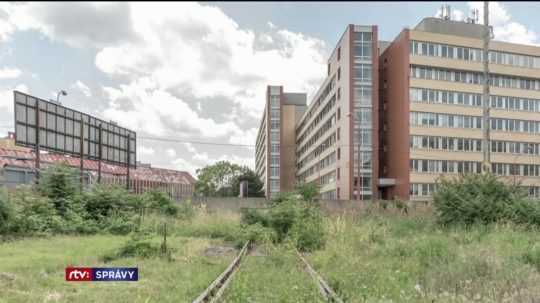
(325, 290)
(214, 291)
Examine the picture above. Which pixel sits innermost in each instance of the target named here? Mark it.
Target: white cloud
(456, 14)
(83, 88)
(197, 48)
(181, 66)
(146, 151)
(9, 73)
(504, 28)
(170, 152)
(190, 147)
(6, 107)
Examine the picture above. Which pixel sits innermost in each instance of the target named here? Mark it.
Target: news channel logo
(104, 274)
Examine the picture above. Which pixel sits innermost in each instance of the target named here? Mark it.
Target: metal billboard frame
(41, 124)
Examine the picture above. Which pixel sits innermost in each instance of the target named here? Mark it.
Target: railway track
(215, 290)
(324, 288)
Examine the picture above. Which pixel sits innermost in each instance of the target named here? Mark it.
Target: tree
(216, 180)
(308, 191)
(255, 185)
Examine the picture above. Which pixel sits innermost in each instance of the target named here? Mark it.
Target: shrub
(119, 225)
(102, 201)
(59, 183)
(475, 198)
(308, 230)
(6, 212)
(160, 201)
(288, 218)
(139, 245)
(256, 233)
(34, 214)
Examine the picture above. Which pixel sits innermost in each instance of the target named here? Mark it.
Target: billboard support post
(99, 155)
(82, 154)
(128, 159)
(38, 164)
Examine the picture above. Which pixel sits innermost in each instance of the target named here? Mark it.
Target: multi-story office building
(432, 100)
(426, 121)
(334, 140)
(275, 148)
(337, 136)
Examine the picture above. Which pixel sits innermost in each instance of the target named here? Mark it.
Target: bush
(60, 184)
(288, 218)
(102, 201)
(119, 225)
(308, 231)
(6, 212)
(256, 233)
(479, 198)
(34, 214)
(139, 245)
(161, 202)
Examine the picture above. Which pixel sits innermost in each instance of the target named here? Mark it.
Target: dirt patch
(53, 296)
(216, 251)
(258, 251)
(7, 276)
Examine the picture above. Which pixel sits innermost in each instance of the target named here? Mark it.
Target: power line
(192, 142)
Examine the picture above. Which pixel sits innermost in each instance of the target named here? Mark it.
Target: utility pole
(486, 165)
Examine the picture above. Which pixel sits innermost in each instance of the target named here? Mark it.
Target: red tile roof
(26, 158)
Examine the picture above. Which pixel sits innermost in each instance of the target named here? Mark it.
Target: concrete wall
(328, 206)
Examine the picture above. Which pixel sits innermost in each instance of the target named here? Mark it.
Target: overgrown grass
(275, 277)
(400, 259)
(32, 270)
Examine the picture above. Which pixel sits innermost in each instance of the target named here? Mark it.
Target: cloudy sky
(194, 71)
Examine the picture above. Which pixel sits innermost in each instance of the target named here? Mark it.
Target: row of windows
(322, 130)
(472, 54)
(473, 145)
(471, 99)
(444, 120)
(328, 195)
(427, 189)
(275, 101)
(444, 166)
(328, 178)
(527, 148)
(507, 169)
(461, 121)
(365, 160)
(431, 73)
(512, 125)
(422, 189)
(313, 107)
(325, 110)
(315, 154)
(446, 143)
(445, 51)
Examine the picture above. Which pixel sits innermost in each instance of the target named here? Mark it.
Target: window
(339, 55)
(338, 132)
(338, 153)
(339, 73)
(339, 113)
(362, 72)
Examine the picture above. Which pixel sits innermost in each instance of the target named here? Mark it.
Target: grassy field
(32, 270)
(394, 259)
(275, 275)
(367, 258)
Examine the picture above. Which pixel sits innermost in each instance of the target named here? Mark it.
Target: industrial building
(17, 167)
(390, 118)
